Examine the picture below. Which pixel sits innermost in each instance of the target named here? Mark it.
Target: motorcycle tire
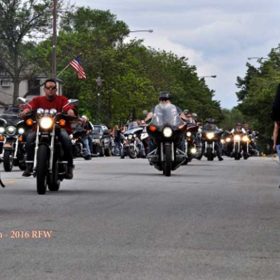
(8, 160)
(53, 180)
(245, 156)
(167, 164)
(132, 153)
(42, 169)
(21, 165)
(122, 153)
(108, 152)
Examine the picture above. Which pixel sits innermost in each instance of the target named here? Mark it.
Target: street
(122, 219)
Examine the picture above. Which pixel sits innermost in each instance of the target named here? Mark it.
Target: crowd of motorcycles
(166, 141)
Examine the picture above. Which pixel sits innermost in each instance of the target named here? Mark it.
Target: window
(6, 83)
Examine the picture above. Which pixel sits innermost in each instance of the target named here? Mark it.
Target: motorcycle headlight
(189, 134)
(167, 132)
(193, 151)
(223, 141)
(2, 130)
(228, 139)
(10, 130)
(210, 135)
(46, 122)
(129, 136)
(20, 130)
(236, 138)
(245, 138)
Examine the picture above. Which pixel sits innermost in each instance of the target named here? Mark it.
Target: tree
(19, 22)
(132, 74)
(257, 93)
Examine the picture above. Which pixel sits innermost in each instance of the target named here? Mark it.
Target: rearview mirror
(21, 100)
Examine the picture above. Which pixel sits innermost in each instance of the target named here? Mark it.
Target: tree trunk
(16, 90)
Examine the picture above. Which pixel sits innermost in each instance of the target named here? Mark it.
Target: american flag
(78, 68)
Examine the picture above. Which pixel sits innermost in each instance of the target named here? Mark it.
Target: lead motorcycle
(48, 165)
(167, 132)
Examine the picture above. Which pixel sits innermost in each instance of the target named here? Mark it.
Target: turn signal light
(29, 122)
(152, 128)
(2, 138)
(62, 122)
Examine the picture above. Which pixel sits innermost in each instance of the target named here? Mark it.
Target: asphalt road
(122, 219)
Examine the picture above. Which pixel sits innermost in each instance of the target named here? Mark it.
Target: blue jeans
(278, 150)
(86, 146)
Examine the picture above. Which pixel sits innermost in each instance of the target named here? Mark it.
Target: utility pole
(54, 39)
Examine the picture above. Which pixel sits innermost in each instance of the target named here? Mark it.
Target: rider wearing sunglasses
(51, 100)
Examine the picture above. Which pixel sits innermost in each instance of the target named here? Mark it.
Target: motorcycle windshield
(166, 115)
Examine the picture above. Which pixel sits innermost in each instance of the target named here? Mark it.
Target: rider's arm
(148, 117)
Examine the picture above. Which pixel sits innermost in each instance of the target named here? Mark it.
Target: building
(27, 88)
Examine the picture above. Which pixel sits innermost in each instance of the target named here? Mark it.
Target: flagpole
(63, 70)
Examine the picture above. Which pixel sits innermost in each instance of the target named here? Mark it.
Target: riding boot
(28, 170)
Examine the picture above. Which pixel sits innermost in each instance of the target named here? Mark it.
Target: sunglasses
(50, 88)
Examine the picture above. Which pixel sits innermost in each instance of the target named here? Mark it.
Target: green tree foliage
(132, 74)
(231, 118)
(19, 21)
(257, 92)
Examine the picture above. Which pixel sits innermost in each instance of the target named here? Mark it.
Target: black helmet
(164, 95)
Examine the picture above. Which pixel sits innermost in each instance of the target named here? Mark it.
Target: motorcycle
(48, 165)
(190, 142)
(226, 141)
(131, 144)
(13, 148)
(77, 144)
(166, 130)
(3, 124)
(210, 141)
(240, 146)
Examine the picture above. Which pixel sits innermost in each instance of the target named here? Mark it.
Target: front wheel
(167, 163)
(8, 160)
(53, 180)
(42, 168)
(132, 152)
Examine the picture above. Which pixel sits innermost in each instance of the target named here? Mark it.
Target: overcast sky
(217, 36)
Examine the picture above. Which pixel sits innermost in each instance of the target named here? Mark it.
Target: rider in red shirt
(49, 101)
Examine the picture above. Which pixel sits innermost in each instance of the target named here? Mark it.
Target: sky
(217, 36)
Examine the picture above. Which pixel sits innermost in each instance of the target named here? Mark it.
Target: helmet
(186, 111)
(194, 115)
(84, 117)
(210, 120)
(164, 95)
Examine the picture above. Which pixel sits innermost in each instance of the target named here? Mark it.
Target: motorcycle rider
(189, 118)
(48, 101)
(165, 98)
(86, 139)
(238, 129)
(210, 125)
